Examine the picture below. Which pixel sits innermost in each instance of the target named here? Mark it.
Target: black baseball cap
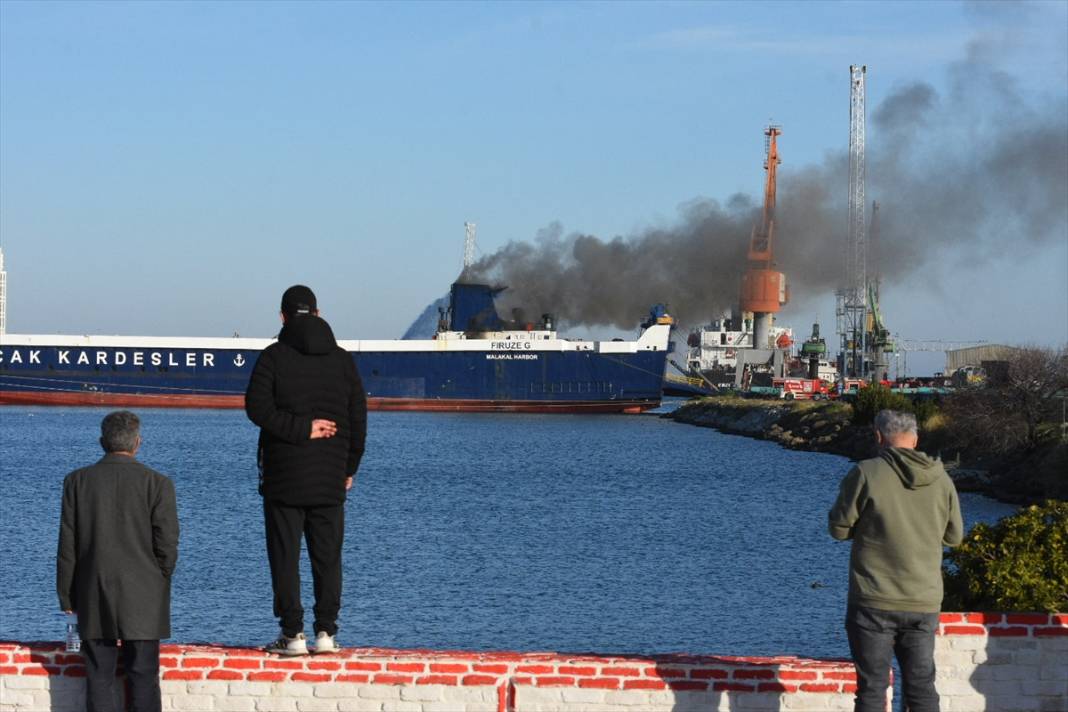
(298, 300)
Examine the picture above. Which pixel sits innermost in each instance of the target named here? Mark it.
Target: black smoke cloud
(965, 176)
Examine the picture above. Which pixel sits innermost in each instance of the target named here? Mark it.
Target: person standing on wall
(900, 509)
(306, 396)
(118, 546)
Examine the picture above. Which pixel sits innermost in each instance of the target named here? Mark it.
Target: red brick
(436, 680)
(664, 673)
(963, 630)
(283, 665)
(482, 680)
(168, 662)
(200, 662)
(183, 674)
(393, 679)
(366, 667)
(242, 664)
(225, 675)
(538, 669)
(775, 687)
(1008, 631)
(69, 660)
(797, 675)
(951, 617)
(644, 685)
(34, 670)
(818, 687)
(1027, 618)
(323, 665)
(1058, 619)
(43, 658)
(599, 683)
(680, 685)
(406, 667)
(261, 676)
(621, 671)
(493, 669)
(849, 688)
(352, 678)
(5, 658)
(1046, 631)
(708, 674)
(20, 658)
(751, 674)
(839, 675)
(74, 671)
(583, 671)
(732, 687)
(988, 618)
(311, 677)
(8, 670)
(448, 667)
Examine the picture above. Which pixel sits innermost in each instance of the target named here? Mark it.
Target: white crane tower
(469, 244)
(851, 298)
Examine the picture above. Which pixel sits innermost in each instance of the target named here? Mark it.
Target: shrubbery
(1018, 564)
(871, 399)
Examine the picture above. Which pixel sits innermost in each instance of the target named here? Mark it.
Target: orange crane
(764, 289)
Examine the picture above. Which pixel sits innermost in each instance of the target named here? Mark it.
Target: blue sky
(169, 168)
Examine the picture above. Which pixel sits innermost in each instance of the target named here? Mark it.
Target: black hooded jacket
(303, 377)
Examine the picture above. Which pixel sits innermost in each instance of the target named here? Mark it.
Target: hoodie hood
(309, 335)
(916, 469)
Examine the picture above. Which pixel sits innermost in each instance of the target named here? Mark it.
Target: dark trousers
(140, 659)
(875, 636)
(323, 529)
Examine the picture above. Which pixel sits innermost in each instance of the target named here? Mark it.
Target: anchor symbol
(239, 360)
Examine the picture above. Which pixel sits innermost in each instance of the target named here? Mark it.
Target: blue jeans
(875, 636)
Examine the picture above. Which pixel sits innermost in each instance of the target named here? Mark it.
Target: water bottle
(74, 641)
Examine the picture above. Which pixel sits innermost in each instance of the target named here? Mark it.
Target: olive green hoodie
(899, 509)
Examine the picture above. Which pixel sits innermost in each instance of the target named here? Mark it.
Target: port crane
(764, 289)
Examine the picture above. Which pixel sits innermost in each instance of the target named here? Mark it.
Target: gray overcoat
(118, 545)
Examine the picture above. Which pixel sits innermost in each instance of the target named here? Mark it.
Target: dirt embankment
(828, 427)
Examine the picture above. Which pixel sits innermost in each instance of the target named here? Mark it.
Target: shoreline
(827, 427)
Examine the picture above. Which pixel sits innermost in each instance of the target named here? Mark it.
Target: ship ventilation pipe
(761, 330)
(547, 320)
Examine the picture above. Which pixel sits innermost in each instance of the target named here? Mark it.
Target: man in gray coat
(118, 545)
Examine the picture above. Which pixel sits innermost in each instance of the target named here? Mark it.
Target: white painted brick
(251, 689)
(26, 682)
(172, 687)
(962, 704)
(316, 704)
(334, 690)
(584, 696)
(294, 689)
(379, 692)
(15, 700)
(1045, 688)
(758, 702)
(1010, 703)
(421, 693)
(401, 706)
(215, 688)
(276, 704)
(1052, 672)
(816, 702)
(968, 642)
(528, 696)
(225, 703)
(193, 702)
(470, 695)
(442, 706)
(355, 704)
(960, 688)
(624, 698)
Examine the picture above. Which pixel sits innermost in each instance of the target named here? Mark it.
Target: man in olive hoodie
(306, 395)
(900, 509)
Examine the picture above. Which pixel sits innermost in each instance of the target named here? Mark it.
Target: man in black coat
(118, 545)
(306, 396)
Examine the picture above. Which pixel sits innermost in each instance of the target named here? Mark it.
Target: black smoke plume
(962, 177)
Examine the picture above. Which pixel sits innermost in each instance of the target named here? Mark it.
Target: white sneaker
(290, 647)
(325, 643)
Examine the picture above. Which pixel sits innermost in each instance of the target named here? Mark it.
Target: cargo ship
(476, 362)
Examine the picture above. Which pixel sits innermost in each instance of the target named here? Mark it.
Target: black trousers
(323, 529)
(875, 636)
(140, 659)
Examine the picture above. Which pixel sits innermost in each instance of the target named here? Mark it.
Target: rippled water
(534, 532)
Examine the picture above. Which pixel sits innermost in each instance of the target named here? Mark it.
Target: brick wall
(992, 662)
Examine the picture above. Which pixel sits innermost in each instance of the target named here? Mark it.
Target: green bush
(871, 399)
(1019, 564)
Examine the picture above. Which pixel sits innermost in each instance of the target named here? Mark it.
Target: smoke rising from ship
(962, 177)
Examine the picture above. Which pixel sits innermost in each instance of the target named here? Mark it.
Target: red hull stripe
(141, 400)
